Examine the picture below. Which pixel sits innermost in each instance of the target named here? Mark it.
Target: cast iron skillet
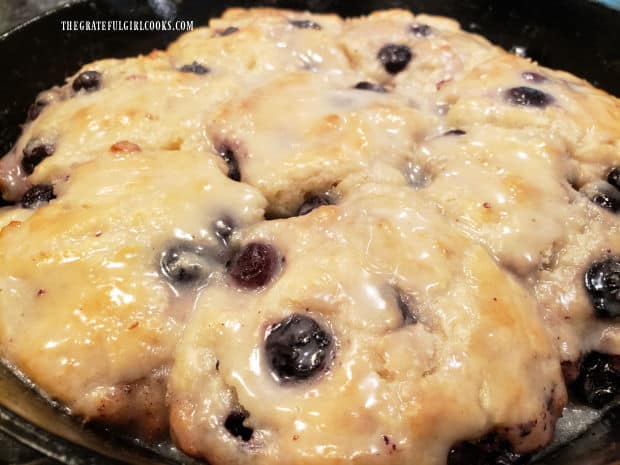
(575, 35)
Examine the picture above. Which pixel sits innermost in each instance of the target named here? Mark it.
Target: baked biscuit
(391, 348)
(87, 314)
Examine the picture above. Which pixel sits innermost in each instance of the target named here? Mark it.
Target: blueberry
(88, 81)
(404, 305)
(365, 85)
(233, 167)
(305, 24)
(228, 31)
(297, 348)
(394, 57)
(602, 282)
(38, 195)
(599, 379)
(605, 196)
(527, 96)
(234, 425)
(254, 265)
(421, 30)
(602, 194)
(184, 263)
(613, 177)
(531, 76)
(312, 203)
(223, 229)
(34, 153)
(489, 450)
(195, 68)
(455, 132)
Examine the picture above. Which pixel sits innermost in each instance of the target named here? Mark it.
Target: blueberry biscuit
(366, 347)
(295, 238)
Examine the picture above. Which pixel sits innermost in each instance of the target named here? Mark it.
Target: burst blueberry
(184, 263)
(254, 265)
(599, 379)
(602, 283)
(88, 81)
(34, 153)
(234, 425)
(394, 57)
(297, 348)
(528, 96)
(37, 196)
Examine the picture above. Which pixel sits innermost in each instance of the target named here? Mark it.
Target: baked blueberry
(602, 283)
(38, 195)
(371, 86)
(234, 425)
(312, 203)
(455, 132)
(613, 177)
(297, 348)
(599, 379)
(34, 153)
(394, 57)
(195, 68)
(228, 31)
(88, 81)
(305, 24)
(254, 265)
(184, 263)
(489, 450)
(421, 30)
(527, 96)
(605, 196)
(531, 76)
(231, 161)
